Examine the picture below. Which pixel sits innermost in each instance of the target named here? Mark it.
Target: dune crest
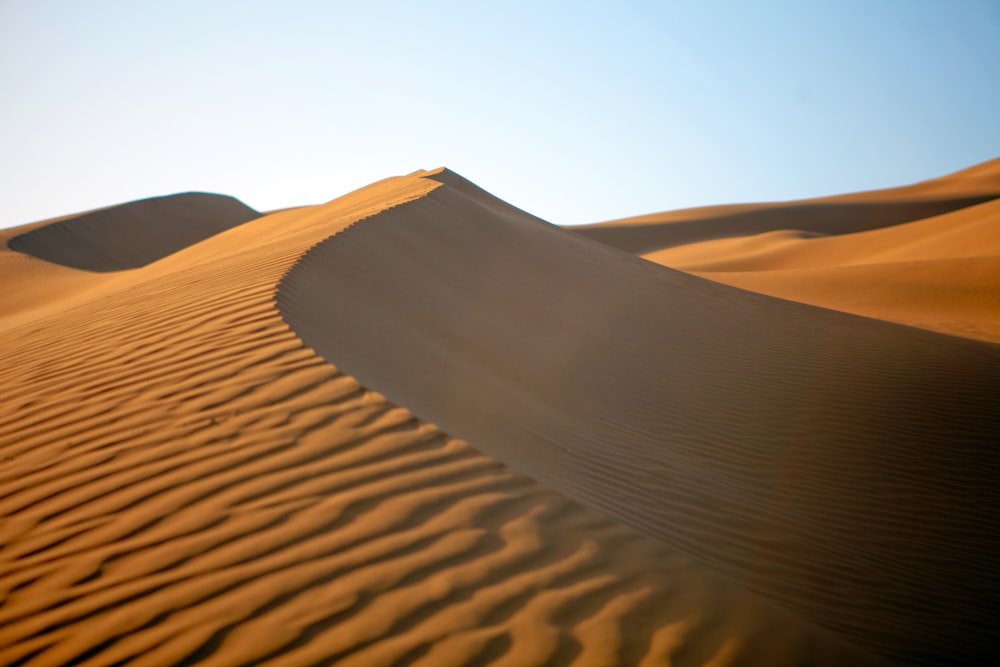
(184, 482)
(842, 466)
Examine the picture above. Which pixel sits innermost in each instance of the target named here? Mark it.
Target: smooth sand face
(840, 465)
(134, 234)
(183, 481)
(662, 470)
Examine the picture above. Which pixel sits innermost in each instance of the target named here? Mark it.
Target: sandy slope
(940, 273)
(843, 466)
(134, 234)
(926, 255)
(183, 481)
(836, 214)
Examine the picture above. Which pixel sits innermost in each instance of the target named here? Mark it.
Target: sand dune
(826, 217)
(184, 482)
(660, 469)
(841, 214)
(959, 297)
(966, 233)
(939, 271)
(842, 466)
(134, 234)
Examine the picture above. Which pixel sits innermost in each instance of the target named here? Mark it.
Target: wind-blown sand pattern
(185, 482)
(844, 466)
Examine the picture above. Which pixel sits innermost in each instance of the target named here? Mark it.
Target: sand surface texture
(660, 469)
(926, 255)
(843, 466)
(184, 482)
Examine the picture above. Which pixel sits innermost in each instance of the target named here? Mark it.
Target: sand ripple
(843, 466)
(183, 482)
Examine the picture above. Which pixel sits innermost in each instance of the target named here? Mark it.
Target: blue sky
(574, 111)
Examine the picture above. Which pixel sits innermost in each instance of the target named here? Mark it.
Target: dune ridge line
(840, 465)
(184, 482)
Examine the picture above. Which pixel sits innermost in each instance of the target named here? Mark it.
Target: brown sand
(940, 273)
(843, 466)
(828, 215)
(134, 234)
(926, 255)
(184, 482)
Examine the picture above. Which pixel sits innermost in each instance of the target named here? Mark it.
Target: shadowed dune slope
(966, 233)
(940, 272)
(134, 234)
(184, 482)
(843, 466)
(841, 214)
(828, 217)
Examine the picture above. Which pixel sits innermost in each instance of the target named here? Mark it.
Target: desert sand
(926, 255)
(416, 425)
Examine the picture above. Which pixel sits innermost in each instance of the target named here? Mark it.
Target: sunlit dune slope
(133, 234)
(938, 270)
(843, 466)
(184, 482)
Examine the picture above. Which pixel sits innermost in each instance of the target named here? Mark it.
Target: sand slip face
(183, 482)
(843, 466)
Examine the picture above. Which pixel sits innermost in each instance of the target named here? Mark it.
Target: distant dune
(649, 233)
(132, 235)
(926, 255)
(841, 214)
(655, 468)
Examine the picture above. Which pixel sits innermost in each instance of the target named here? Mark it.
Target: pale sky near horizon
(574, 111)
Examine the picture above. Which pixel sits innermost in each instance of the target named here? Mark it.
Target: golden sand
(656, 469)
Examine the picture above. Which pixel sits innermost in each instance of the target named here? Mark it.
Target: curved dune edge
(843, 466)
(132, 235)
(184, 482)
